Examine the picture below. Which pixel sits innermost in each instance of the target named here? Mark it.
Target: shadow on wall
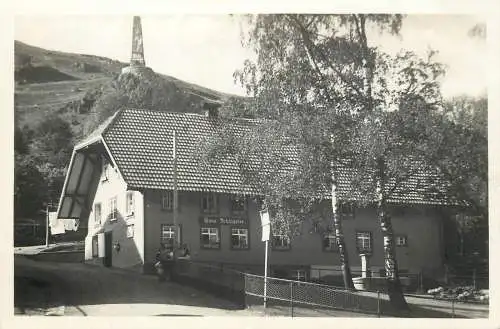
(119, 249)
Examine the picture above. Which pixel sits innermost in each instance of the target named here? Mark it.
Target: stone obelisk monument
(137, 62)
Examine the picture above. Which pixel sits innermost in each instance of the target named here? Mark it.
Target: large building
(121, 183)
(121, 180)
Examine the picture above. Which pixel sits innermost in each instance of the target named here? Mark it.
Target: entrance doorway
(108, 249)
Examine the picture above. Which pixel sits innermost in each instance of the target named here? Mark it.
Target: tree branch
(309, 48)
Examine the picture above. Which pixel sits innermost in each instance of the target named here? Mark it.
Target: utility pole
(47, 225)
(175, 193)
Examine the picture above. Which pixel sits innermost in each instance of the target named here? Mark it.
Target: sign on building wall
(223, 221)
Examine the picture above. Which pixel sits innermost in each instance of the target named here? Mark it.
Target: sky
(207, 49)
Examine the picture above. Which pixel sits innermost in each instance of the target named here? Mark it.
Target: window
(401, 240)
(329, 242)
(300, 275)
(130, 231)
(113, 209)
(130, 203)
(209, 202)
(210, 238)
(364, 241)
(106, 169)
(238, 204)
(97, 213)
(281, 242)
(346, 211)
(239, 238)
(167, 200)
(95, 247)
(168, 235)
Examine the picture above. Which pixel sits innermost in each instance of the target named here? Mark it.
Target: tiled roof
(141, 142)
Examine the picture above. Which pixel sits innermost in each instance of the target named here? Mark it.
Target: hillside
(48, 82)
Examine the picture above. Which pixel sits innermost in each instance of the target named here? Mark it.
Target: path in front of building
(49, 288)
(82, 289)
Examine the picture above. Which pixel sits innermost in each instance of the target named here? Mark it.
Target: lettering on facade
(223, 221)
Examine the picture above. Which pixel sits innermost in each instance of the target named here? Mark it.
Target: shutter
(100, 244)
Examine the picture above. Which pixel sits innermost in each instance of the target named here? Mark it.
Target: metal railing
(294, 293)
(247, 290)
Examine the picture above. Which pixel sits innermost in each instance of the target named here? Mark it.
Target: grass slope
(48, 82)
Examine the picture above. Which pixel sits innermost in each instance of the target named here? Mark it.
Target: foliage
(147, 91)
(317, 78)
(29, 188)
(52, 142)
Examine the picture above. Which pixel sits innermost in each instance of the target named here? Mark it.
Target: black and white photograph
(284, 165)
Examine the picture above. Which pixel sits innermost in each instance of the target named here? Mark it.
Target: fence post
(453, 307)
(244, 275)
(474, 278)
(378, 303)
(421, 281)
(291, 298)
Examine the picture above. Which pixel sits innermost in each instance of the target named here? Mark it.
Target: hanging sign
(266, 225)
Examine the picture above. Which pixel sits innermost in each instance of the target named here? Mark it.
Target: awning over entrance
(81, 182)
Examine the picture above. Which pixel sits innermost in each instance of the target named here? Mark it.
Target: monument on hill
(137, 44)
(137, 63)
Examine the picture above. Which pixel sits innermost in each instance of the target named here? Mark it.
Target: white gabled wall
(131, 248)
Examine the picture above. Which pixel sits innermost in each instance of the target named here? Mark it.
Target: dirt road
(80, 289)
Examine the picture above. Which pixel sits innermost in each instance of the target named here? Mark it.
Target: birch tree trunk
(394, 288)
(339, 235)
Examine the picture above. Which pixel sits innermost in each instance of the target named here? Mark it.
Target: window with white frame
(210, 238)
(113, 209)
(130, 231)
(300, 275)
(130, 206)
(364, 241)
(97, 213)
(209, 202)
(167, 200)
(168, 235)
(239, 238)
(330, 242)
(281, 242)
(346, 210)
(401, 240)
(238, 204)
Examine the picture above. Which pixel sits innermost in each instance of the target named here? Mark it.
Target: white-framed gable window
(209, 202)
(97, 213)
(130, 203)
(167, 200)
(113, 209)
